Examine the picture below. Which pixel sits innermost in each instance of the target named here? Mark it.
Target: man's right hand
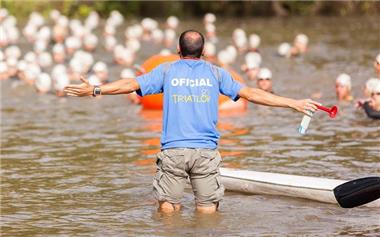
(84, 89)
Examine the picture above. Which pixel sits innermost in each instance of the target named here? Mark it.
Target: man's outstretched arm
(123, 86)
(262, 97)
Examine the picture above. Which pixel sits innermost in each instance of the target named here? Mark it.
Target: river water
(72, 167)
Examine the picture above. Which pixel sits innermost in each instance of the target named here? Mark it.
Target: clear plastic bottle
(305, 123)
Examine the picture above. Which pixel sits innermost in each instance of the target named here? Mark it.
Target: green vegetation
(75, 8)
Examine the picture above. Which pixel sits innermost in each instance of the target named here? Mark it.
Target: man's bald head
(191, 44)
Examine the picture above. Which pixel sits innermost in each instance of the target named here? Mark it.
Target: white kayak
(312, 188)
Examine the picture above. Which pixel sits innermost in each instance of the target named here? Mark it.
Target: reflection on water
(84, 166)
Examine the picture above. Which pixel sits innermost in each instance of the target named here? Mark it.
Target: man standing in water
(189, 140)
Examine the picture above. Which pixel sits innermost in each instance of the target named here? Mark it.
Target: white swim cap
(3, 67)
(3, 12)
(376, 88)
(209, 18)
(40, 46)
(210, 27)
(133, 44)
(232, 52)
(169, 34)
(73, 42)
(13, 35)
(344, 80)
(22, 65)
(13, 52)
(58, 70)
(90, 40)
(110, 42)
(264, 73)
(253, 60)
(54, 15)
(30, 57)
(94, 80)
(371, 84)
(32, 71)
(44, 34)
(58, 48)
(134, 31)
(254, 41)
(63, 21)
(86, 59)
(224, 57)
(284, 49)
(240, 42)
(128, 56)
(238, 32)
(10, 21)
(127, 73)
(149, 24)
(30, 30)
(12, 62)
(116, 18)
(172, 22)
(45, 60)
(110, 29)
(92, 21)
(165, 52)
(36, 19)
(302, 39)
(76, 65)
(35, 68)
(100, 67)
(157, 35)
(210, 49)
(61, 81)
(43, 82)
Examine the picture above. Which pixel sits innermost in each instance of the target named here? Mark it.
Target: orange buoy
(154, 102)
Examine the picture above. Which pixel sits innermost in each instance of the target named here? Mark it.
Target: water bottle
(305, 123)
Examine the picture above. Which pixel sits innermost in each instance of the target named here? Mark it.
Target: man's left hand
(305, 106)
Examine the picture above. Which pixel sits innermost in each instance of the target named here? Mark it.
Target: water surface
(84, 166)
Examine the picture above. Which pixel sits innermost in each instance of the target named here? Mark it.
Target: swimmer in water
(372, 107)
(300, 45)
(343, 87)
(264, 80)
(252, 65)
(369, 85)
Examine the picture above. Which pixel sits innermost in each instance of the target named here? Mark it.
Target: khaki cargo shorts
(200, 166)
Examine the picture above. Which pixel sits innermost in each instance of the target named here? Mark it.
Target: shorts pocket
(173, 162)
(208, 162)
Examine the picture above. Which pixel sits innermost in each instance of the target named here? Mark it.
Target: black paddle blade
(358, 192)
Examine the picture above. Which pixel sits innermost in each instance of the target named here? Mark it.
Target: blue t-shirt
(191, 97)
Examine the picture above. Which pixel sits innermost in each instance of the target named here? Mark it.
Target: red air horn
(331, 111)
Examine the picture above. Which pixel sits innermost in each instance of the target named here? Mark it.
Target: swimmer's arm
(122, 86)
(262, 97)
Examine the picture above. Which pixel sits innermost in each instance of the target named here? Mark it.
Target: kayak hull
(311, 188)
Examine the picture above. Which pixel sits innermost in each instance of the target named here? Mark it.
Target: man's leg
(208, 209)
(205, 180)
(170, 180)
(167, 207)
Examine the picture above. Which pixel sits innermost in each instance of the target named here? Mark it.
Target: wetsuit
(371, 113)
